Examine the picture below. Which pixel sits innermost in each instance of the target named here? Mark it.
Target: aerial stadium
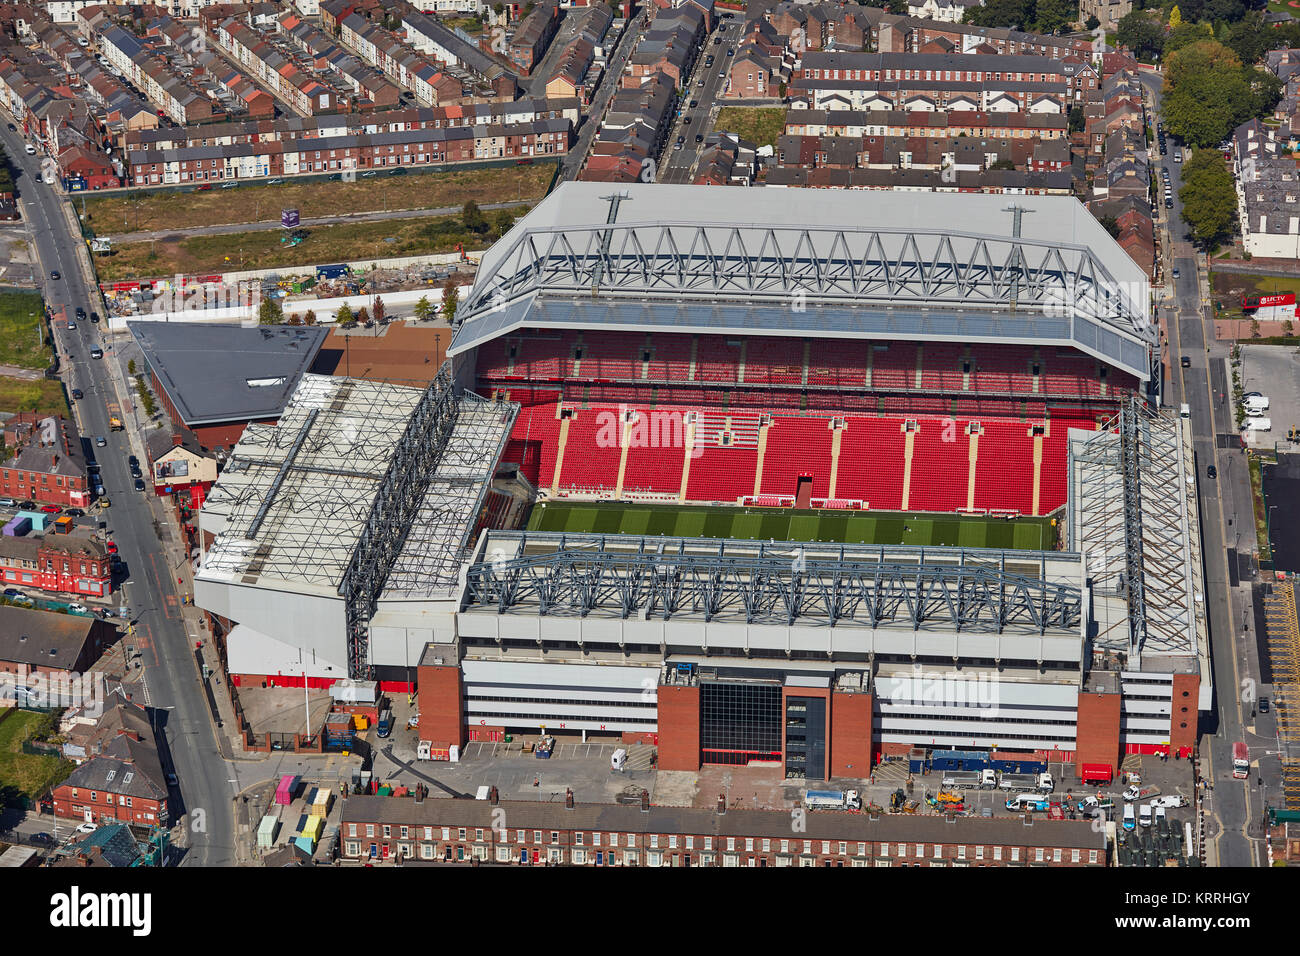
(750, 490)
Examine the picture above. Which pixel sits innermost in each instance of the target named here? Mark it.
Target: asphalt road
(705, 84)
(171, 679)
(266, 225)
(616, 62)
(1225, 511)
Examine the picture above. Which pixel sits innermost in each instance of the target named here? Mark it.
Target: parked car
(111, 545)
(27, 505)
(87, 828)
(94, 316)
(139, 484)
(1263, 705)
(51, 509)
(229, 185)
(74, 513)
(1177, 273)
(699, 137)
(1132, 792)
(8, 503)
(41, 839)
(12, 593)
(1171, 800)
(76, 393)
(81, 313)
(13, 128)
(78, 609)
(97, 353)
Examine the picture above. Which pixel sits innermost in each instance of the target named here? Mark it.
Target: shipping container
(312, 828)
(284, 793)
(63, 524)
(266, 831)
(916, 760)
(39, 519)
(18, 526)
(1017, 762)
(306, 844)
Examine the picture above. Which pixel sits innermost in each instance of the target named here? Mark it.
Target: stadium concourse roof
(296, 498)
(834, 263)
(227, 373)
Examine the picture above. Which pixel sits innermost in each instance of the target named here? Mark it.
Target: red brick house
(47, 465)
(83, 169)
(120, 781)
(70, 563)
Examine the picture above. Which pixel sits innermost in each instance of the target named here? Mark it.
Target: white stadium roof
(809, 262)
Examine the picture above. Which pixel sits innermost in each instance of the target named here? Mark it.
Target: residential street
(134, 521)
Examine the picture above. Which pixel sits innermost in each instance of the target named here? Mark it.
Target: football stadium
(746, 488)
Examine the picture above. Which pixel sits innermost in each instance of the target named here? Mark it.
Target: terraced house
(396, 829)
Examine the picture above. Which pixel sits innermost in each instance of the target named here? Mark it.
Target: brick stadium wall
(442, 719)
(679, 728)
(1182, 721)
(850, 735)
(1098, 732)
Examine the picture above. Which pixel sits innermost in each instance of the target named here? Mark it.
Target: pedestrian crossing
(1282, 630)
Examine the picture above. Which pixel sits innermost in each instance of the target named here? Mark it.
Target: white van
(1254, 404)
(618, 759)
(1129, 822)
(1259, 424)
(1144, 815)
(1184, 411)
(1160, 812)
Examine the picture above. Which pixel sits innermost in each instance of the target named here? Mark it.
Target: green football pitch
(786, 524)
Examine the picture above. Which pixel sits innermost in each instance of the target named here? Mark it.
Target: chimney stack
(177, 439)
(493, 796)
(722, 803)
(645, 801)
(568, 799)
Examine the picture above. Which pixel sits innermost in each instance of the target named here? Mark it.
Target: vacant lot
(27, 774)
(760, 125)
(344, 242)
(20, 316)
(43, 396)
(1230, 287)
(313, 200)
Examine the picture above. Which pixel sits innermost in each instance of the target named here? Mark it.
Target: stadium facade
(909, 354)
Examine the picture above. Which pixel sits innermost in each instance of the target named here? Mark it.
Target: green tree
(1141, 34)
(1185, 35)
(1175, 18)
(269, 312)
(344, 315)
(1001, 13)
(473, 217)
(898, 7)
(1208, 198)
(450, 300)
(423, 310)
(502, 220)
(381, 311)
(1208, 92)
(1053, 16)
(1111, 225)
(1091, 23)
(1077, 121)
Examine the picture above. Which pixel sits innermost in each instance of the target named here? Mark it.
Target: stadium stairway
(559, 453)
(972, 457)
(836, 435)
(909, 445)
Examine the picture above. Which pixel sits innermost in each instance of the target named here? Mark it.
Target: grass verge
(20, 315)
(1261, 516)
(157, 210)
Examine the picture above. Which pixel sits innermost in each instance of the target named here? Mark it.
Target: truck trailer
(1026, 781)
(970, 779)
(832, 800)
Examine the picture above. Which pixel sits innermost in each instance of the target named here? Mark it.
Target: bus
(1240, 761)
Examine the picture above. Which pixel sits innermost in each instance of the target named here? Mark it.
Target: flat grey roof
(223, 373)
